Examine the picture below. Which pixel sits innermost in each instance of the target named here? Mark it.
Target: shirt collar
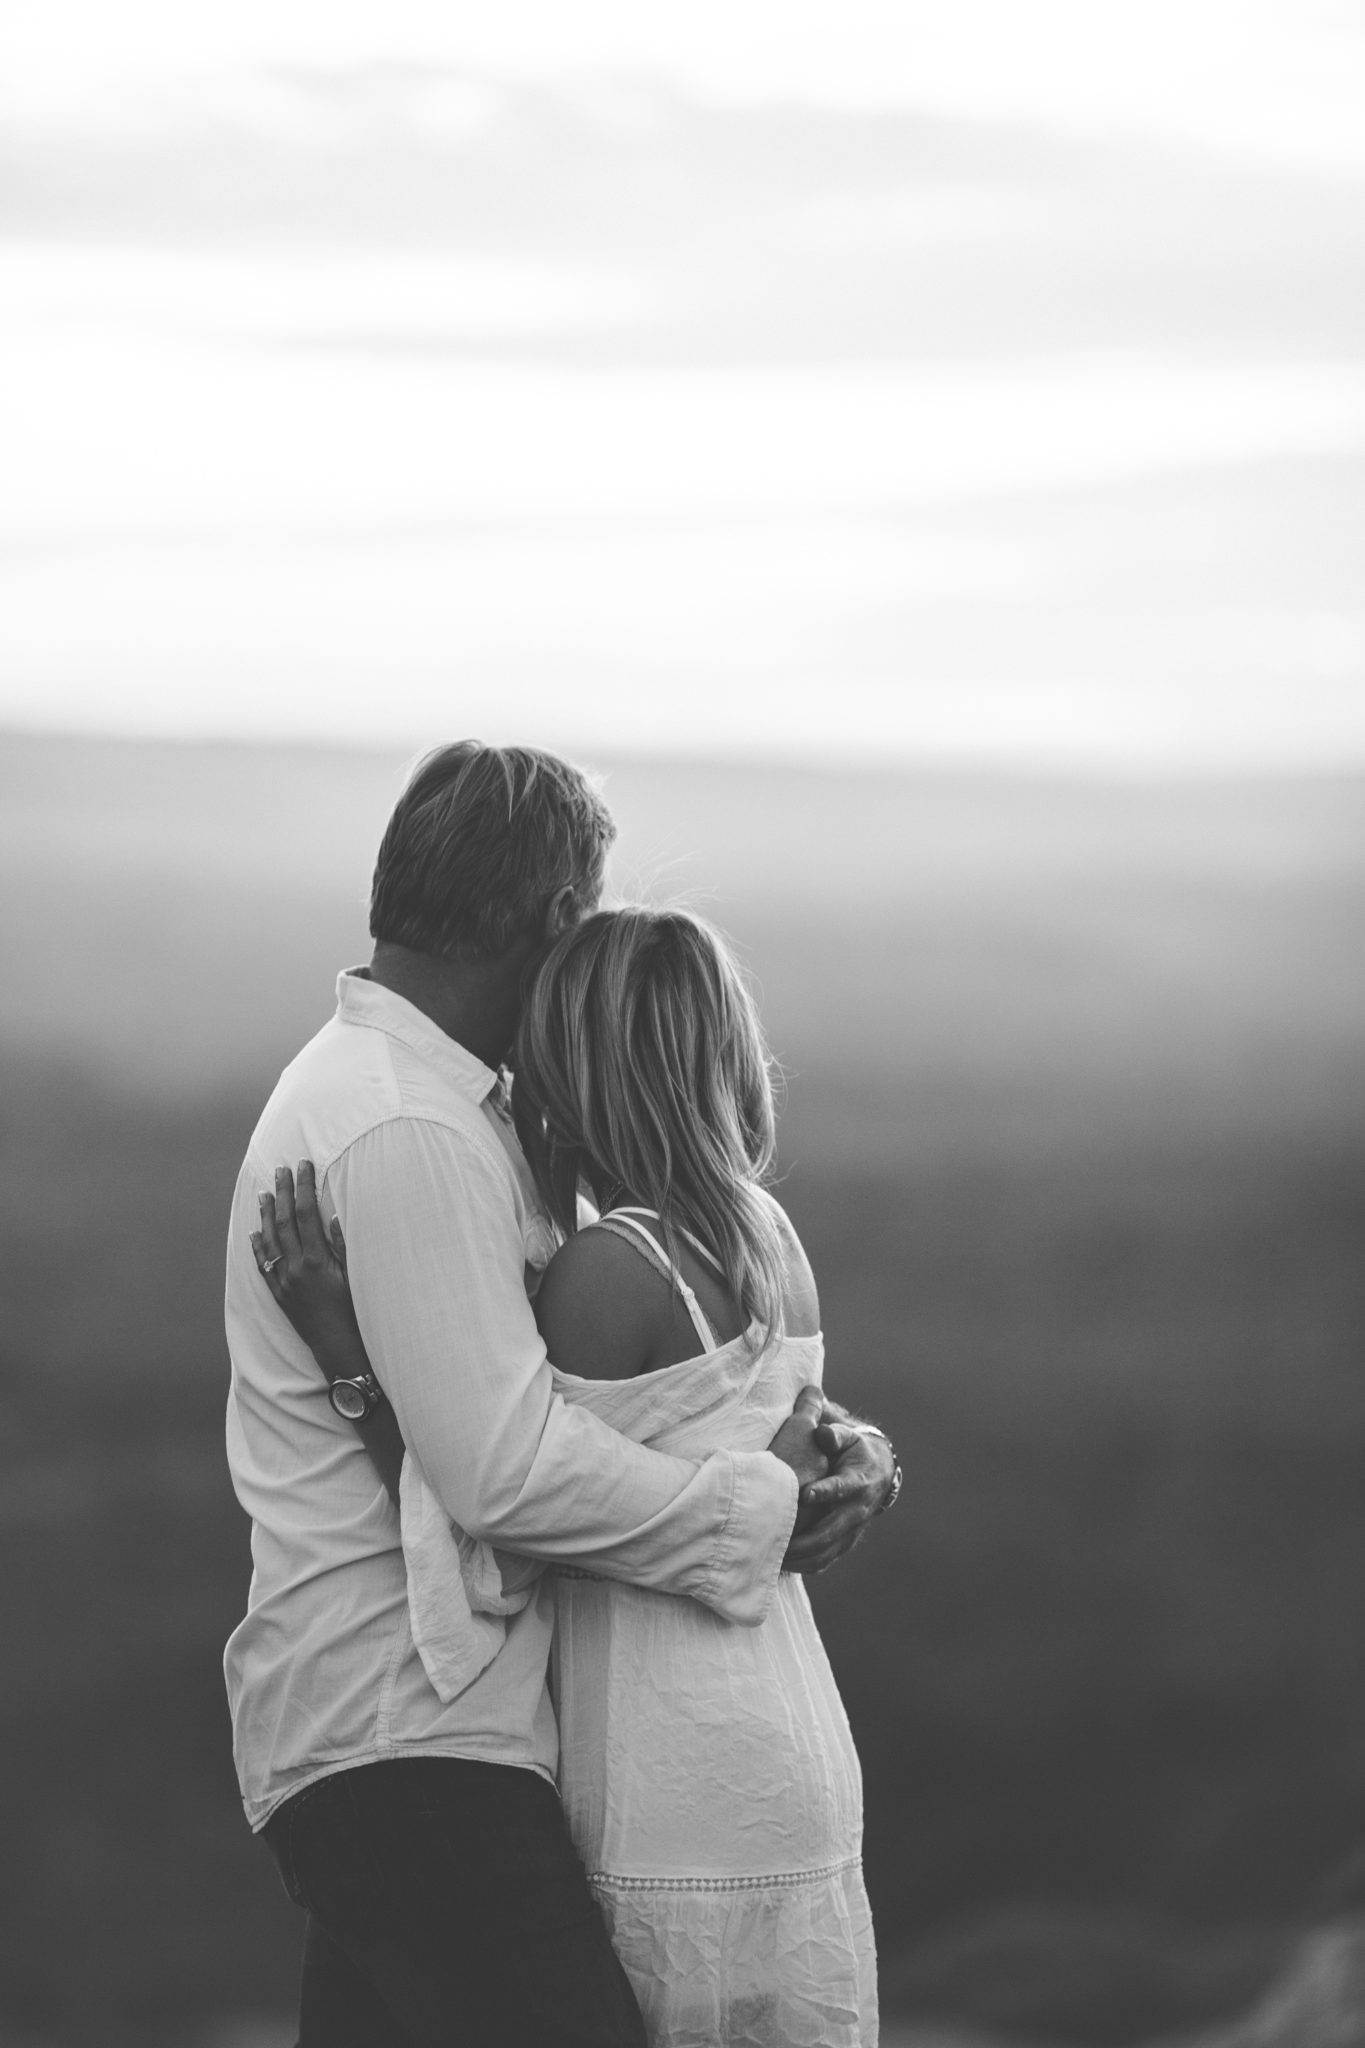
(365, 1002)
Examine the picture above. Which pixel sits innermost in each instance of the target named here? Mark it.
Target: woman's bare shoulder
(802, 1297)
(601, 1307)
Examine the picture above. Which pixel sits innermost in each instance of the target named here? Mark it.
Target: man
(413, 1818)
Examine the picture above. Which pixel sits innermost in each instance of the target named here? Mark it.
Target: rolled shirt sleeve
(436, 1261)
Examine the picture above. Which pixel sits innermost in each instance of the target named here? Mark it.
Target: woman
(707, 1771)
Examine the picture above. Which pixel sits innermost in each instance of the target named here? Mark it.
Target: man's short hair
(479, 842)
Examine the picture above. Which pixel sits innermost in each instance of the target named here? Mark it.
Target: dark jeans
(446, 1908)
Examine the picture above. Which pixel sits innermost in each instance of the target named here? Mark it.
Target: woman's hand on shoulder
(600, 1307)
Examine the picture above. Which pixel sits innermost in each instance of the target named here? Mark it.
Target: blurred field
(1076, 1139)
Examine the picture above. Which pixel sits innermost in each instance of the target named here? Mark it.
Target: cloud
(706, 233)
(1281, 80)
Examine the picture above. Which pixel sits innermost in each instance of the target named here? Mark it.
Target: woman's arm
(864, 1477)
(800, 1301)
(306, 1275)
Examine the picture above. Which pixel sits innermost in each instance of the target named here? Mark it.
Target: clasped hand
(844, 1478)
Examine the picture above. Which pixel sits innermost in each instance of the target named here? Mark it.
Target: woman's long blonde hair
(640, 1067)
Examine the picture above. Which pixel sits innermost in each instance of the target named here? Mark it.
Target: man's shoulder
(348, 1082)
(340, 1084)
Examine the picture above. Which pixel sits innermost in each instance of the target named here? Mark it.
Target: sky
(979, 381)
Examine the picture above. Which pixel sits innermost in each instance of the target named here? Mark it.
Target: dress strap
(698, 1247)
(621, 1221)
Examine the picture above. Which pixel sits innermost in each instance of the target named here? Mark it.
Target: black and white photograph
(682, 1029)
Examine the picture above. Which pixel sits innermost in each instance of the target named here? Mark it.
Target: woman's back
(611, 1305)
(708, 1772)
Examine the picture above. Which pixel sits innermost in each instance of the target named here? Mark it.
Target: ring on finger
(271, 1264)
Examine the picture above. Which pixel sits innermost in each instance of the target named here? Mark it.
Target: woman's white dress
(707, 1770)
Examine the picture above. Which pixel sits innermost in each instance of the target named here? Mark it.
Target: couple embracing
(528, 1702)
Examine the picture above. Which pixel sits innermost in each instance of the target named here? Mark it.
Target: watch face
(349, 1400)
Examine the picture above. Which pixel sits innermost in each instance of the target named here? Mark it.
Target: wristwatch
(354, 1399)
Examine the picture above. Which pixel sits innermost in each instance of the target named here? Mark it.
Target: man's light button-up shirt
(416, 1156)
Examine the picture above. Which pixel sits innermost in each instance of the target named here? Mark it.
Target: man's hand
(835, 1512)
(796, 1442)
(798, 1445)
